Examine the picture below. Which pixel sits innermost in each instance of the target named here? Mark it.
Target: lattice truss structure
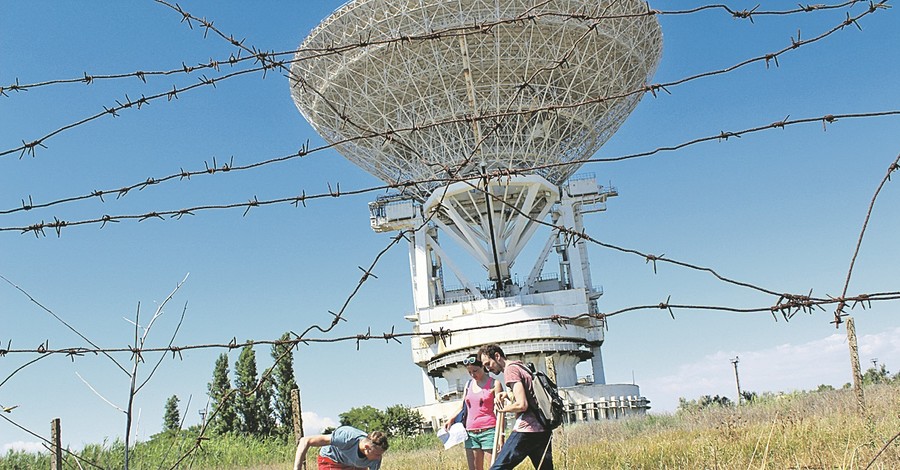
(512, 69)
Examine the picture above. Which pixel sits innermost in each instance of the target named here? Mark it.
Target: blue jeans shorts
(480, 440)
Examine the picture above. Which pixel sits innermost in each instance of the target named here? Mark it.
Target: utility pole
(736, 379)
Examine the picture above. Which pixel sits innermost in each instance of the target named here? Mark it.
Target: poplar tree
(244, 381)
(283, 382)
(171, 417)
(265, 415)
(253, 404)
(224, 420)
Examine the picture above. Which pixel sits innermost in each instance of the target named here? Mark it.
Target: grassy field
(814, 430)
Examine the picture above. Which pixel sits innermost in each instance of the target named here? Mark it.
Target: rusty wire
(57, 225)
(208, 26)
(267, 62)
(786, 306)
(839, 311)
(214, 168)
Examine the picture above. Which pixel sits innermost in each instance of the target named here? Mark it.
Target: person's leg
(470, 459)
(479, 459)
(484, 448)
(511, 454)
(540, 450)
(487, 455)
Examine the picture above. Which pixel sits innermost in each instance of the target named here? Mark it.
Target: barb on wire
(444, 333)
(139, 342)
(59, 319)
(437, 34)
(267, 63)
(28, 148)
(38, 229)
(787, 304)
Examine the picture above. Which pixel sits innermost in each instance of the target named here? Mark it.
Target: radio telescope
(480, 111)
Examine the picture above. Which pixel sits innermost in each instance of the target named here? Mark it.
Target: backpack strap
(529, 393)
(524, 367)
(461, 416)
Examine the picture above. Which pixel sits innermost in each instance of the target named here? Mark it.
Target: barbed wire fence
(250, 60)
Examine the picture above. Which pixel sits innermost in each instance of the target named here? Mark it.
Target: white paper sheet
(456, 435)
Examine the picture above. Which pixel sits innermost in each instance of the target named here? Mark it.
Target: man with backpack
(529, 437)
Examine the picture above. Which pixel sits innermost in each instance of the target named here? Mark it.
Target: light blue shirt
(344, 448)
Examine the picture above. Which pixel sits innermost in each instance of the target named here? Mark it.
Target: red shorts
(327, 464)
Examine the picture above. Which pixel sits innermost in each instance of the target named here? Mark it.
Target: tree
(265, 416)
(253, 402)
(171, 418)
(283, 382)
(401, 420)
(748, 396)
(705, 401)
(245, 384)
(222, 399)
(366, 418)
(875, 376)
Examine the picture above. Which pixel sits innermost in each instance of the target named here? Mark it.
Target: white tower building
(436, 96)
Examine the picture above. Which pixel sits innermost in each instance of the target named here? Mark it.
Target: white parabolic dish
(465, 85)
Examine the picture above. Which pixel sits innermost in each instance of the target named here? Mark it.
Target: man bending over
(347, 448)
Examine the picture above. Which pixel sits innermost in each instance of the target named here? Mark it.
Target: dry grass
(819, 430)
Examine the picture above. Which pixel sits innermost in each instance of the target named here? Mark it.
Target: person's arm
(499, 396)
(304, 444)
(520, 404)
(453, 417)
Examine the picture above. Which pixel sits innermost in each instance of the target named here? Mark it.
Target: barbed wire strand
(232, 60)
(786, 306)
(47, 442)
(229, 166)
(894, 166)
(267, 63)
(58, 224)
(59, 319)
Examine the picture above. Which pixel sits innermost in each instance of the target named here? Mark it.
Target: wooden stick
(499, 435)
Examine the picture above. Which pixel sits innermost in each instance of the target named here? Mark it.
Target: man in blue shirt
(346, 448)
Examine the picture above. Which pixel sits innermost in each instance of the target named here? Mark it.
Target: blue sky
(781, 209)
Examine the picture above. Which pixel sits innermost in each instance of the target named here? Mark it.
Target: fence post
(56, 462)
(295, 411)
(854, 364)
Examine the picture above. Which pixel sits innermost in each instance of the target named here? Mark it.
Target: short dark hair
(490, 350)
(379, 439)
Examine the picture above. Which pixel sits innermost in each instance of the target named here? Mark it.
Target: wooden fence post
(854, 364)
(56, 462)
(295, 411)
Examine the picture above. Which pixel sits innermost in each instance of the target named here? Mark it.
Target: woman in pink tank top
(478, 402)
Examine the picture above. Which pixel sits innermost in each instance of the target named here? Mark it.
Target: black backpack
(544, 398)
